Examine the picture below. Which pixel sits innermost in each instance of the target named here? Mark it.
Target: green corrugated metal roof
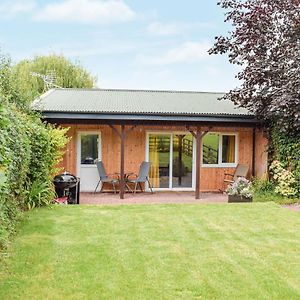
(136, 102)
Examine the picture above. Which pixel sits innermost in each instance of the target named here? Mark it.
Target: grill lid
(66, 179)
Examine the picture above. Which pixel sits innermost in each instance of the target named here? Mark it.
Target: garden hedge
(29, 152)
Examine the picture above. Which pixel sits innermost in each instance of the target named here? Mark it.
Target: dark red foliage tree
(265, 42)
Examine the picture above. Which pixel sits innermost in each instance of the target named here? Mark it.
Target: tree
(17, 82)
(265, 42)
(8, 89)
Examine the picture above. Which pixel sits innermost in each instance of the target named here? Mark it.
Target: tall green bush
(29, 153)
(285, 148)
(9, 204)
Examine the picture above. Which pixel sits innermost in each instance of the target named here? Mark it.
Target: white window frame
(171, 188)
(220, 164)
(79, 134)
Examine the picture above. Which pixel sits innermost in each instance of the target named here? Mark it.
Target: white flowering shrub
(284, 179)
(241, 187)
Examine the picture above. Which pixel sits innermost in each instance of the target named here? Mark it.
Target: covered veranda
(122, 125)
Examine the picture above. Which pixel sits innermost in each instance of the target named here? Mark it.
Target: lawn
(238, 251)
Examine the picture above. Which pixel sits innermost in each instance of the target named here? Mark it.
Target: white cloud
(10, 9)
(189, 52)
(174, 28)
(86, 11)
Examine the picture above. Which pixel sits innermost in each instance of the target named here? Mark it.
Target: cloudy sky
(138, 44)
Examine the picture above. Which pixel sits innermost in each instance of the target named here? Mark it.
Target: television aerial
(48, 79)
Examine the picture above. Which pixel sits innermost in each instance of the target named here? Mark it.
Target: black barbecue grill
(67, 185)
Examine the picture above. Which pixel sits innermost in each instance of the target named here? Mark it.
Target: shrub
(263, 185)
(286, 182)
(40, 193)
(29, 152)
(285, 148)
(9, 215)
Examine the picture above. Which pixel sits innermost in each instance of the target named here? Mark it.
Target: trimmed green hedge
(29, 152)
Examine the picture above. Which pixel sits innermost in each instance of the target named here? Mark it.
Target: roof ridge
(137, 90)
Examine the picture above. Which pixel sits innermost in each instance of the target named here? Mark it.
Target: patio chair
(105, 178)
(240, 171)
(142, 177)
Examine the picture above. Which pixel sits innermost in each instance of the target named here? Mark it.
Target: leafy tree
(8, 90)
(265, 42)
(18, 85)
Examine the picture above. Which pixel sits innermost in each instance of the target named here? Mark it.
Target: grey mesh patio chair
(240, 171)
(142, 177)
(105, 178)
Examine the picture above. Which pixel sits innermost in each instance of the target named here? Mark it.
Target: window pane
(210, 148)
(182, 160)
(159, 156)
(89, 148)
(228, 149)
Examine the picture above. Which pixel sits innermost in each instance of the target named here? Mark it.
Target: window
(228, 149)
(89, 148)
(211, 149)
(219, 149)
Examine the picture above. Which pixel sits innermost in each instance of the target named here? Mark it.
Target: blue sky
(138, 44)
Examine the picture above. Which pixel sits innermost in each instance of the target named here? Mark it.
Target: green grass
(238, 251)
(270, 196)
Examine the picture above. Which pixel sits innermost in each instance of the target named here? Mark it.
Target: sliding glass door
(171, 156)
(182, 161)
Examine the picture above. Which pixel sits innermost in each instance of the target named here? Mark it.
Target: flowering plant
(241, 187)
(284, 179)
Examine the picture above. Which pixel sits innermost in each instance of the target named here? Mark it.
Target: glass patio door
(171, 156)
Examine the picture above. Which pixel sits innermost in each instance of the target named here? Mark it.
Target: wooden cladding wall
(211, 179)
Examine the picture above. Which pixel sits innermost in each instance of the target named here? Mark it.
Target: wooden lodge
(190, 138)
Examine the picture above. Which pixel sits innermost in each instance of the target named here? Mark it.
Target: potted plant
(239, 191)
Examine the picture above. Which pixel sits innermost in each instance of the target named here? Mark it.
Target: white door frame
(170, 188)
(79, 166)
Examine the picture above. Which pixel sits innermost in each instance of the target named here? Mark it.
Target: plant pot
(238, 198)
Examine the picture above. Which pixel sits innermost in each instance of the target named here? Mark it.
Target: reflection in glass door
(159, 156)
(182, 171)
(171, 157)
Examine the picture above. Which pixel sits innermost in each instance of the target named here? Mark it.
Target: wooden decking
(148, 198)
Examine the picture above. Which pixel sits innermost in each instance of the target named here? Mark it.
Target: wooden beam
(191, 131)
(131, 128)
(115, 130)
(198, 161)
(122, 167)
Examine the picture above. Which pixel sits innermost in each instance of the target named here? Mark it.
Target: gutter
(73, 117)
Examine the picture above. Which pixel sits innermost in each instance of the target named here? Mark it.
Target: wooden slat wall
(135, 151)
(261, 154)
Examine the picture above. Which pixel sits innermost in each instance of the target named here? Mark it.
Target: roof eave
(98, 117)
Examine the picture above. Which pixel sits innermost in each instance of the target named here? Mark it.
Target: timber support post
(122, 168)
(198, 161)
(198, 135)
(122, 136)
